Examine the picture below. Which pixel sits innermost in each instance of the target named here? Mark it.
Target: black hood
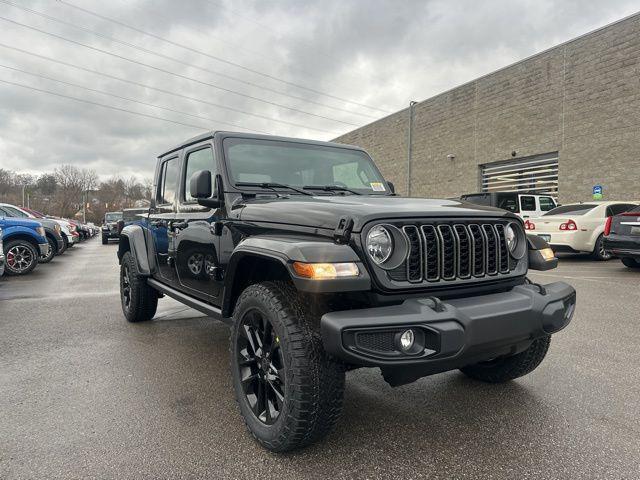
(325, 211)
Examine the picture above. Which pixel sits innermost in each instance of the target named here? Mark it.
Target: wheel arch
(22, 236)
(247, 268)
(132, 240)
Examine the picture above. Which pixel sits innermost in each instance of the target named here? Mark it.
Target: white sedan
(577, 227)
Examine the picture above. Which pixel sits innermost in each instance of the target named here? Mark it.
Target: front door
(161, 219)
(196, 244)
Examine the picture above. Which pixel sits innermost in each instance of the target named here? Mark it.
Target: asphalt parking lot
(83, 394)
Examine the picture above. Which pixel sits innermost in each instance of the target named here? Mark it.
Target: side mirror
(392, 187)
(200, 189)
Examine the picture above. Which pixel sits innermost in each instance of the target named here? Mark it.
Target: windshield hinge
(342, 233)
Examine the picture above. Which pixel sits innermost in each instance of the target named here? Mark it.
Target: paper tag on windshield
(377, 186)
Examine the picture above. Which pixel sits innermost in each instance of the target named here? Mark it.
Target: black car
(303, 248)
(111, 226)
(622, 237)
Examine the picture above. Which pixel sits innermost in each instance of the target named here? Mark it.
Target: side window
(199, 160)
(546, 204)
(168, 182)
(508, 202)
(619, 208)
(527, 203)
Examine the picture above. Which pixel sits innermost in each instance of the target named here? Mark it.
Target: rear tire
(139, 301)
(289, 390)
(599, 253)
(630, 262)
(21, 257)
(502, 370)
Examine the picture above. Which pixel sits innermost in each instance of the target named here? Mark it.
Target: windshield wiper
(271, 186)
(331, 188)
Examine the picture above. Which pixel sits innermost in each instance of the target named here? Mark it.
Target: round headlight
(379, 244)
(516, 240)
(512, 238)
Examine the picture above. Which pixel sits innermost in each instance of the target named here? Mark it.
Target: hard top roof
(208, 135)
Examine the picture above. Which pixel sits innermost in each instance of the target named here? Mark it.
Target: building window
(537, 174)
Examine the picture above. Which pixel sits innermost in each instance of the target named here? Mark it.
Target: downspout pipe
(410, 146)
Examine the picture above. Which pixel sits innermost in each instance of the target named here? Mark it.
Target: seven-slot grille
(441, 252)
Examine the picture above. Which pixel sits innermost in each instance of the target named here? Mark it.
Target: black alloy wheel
(125, 288)
(261, 364)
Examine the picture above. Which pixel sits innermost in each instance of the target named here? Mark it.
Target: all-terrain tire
(630, 262)
(139, 301)
(21, 257)
(508, 368)
(599, 253)
(314, 382)
(105, 240)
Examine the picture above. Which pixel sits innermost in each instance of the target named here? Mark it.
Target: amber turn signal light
(326, 271)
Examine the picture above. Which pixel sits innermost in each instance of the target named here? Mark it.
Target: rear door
(197, 260)
(162, 216)
(528, 208)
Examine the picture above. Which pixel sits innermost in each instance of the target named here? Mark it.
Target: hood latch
(342, 233)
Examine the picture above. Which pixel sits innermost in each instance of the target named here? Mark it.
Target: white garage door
(533, 174)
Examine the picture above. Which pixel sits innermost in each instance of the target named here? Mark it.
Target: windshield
(113, 217)
(299, 165)
(579, 209)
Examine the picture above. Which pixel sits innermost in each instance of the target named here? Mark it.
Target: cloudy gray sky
(305, 68)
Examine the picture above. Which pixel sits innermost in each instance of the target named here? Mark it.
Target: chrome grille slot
(465, 250)
(503, 248)
(493, 253)
(479, 250)
(431, 253)
(414, 259)
(439, 251)
(447, 252)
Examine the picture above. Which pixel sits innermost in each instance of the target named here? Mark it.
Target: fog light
(406, 340)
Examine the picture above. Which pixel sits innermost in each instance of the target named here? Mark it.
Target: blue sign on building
(597, 192)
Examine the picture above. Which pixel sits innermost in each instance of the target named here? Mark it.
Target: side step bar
(199, 305)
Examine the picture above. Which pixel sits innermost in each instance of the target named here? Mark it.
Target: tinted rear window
(579, 209)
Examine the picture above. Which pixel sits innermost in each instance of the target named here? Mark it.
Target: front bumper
(452, 334)
(44, 249)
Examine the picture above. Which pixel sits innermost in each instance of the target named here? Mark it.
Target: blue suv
(24, 242)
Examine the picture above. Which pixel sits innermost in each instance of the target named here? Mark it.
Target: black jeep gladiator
(303, 248)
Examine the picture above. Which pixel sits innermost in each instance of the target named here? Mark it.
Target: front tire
(630, 262)
(504, 369)
(599, 253)
(21, 257)
(139, 301)
(288, 389)
(105, 239)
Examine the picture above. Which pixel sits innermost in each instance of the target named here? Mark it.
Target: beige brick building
(562, 121)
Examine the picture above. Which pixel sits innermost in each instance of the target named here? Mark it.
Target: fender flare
(285, 250)
(133, 237)
(18, 230)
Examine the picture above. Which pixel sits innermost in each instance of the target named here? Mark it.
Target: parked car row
(29, 237)
(604, 229)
